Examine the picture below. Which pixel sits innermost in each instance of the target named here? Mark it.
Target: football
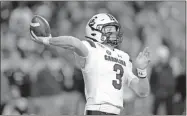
(40, 26)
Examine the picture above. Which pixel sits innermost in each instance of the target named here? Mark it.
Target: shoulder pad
(127, 56)
(92, 44)
(130, 59)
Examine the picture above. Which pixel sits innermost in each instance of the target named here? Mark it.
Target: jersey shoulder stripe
(130, 60)
(92, 44)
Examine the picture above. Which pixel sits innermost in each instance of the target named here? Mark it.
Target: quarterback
(105, 68)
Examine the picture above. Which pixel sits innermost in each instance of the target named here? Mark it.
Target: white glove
(43, 40)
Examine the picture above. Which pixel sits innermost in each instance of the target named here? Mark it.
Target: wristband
(46, 40)
(142, 73)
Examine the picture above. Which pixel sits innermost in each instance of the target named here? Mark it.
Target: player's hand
(143, 59)
(37, 39)
(40, 30)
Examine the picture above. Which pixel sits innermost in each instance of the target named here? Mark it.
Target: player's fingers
(33, 36)
(147, 54)
(145, 50)
(139, 55)
(148, 60)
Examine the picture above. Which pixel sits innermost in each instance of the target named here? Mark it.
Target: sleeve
(89, 44)
(130, 64)
(81, 61)
(130, 76)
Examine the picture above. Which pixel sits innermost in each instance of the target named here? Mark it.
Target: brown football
(40, 26)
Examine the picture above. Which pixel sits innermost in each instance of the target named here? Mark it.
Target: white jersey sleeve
(89, 45)
(81, 61)
(130, 76)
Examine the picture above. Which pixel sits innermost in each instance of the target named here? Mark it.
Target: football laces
(34, 24)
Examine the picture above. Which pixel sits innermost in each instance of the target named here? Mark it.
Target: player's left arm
(140, 83)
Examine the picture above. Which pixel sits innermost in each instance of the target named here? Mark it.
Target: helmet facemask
(97, 30)
(111, 34)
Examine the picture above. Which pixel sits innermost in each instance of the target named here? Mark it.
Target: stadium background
(45, 79)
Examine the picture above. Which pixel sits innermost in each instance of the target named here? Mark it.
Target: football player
(105, 68)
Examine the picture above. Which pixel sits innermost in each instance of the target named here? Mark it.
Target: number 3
(119, 76)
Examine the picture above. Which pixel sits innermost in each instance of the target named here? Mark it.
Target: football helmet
(95, 29)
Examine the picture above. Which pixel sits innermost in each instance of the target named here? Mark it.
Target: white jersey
(105, 73)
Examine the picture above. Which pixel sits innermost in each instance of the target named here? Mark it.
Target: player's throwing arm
(40, 33)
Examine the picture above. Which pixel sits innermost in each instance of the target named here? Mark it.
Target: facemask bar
(106, 36)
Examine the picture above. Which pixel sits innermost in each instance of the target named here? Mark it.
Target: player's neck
(110, 47)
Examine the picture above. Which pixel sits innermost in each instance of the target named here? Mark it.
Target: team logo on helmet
(92, 22)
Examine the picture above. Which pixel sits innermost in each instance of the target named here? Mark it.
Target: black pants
(168, 104)
(89, 112)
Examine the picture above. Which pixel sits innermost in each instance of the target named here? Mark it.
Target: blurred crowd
(38, 79)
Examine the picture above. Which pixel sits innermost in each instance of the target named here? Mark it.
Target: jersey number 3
(118, 82)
